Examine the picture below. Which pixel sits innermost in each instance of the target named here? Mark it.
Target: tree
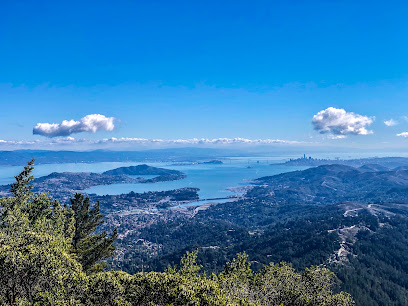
(35, 237)
(21, 191)
(89, 246)
(40, 211)
(279, 284)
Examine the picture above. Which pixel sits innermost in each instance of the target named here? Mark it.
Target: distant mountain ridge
(374, 167)
(388, 162)
(20, 157)
(334, 184)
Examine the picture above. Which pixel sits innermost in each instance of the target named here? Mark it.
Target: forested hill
(334, 184)
(142, 170)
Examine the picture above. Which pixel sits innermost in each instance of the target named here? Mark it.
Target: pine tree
(89, 246)
(21, 191)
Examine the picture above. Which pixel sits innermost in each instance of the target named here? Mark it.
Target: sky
(146, 74)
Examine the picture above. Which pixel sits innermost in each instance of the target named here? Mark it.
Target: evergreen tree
(21, 191)
(90, 247)
(36, 267)
(39, 210)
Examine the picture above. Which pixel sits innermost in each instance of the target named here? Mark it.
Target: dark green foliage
(236, 285)
(301, 241)
(331, 184)
(89, 247)
(279, 284)
(22, 186)
(378, 274)
(21, 191)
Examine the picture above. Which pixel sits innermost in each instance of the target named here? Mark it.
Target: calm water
(213, 180)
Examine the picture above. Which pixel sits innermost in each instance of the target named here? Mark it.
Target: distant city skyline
(135, 74)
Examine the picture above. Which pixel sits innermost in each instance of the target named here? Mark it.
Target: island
(212, 162)
(163, 175)
(142, 170)
(62, 186)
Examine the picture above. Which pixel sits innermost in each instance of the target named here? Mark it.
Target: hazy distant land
(387, 162)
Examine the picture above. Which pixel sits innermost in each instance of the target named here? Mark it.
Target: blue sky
(178, 70)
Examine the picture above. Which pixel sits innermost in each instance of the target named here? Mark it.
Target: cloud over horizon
(390, 122)
(90, 123)
(339, 123)
(129, 142)
(404, 134)
(197, 141)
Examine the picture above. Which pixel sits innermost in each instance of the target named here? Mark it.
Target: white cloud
(17, 142)
(331, 136)
(390, 122)
(404, 134)
(197, 141)
(129, 142)
(90, 123)
(340, 123)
